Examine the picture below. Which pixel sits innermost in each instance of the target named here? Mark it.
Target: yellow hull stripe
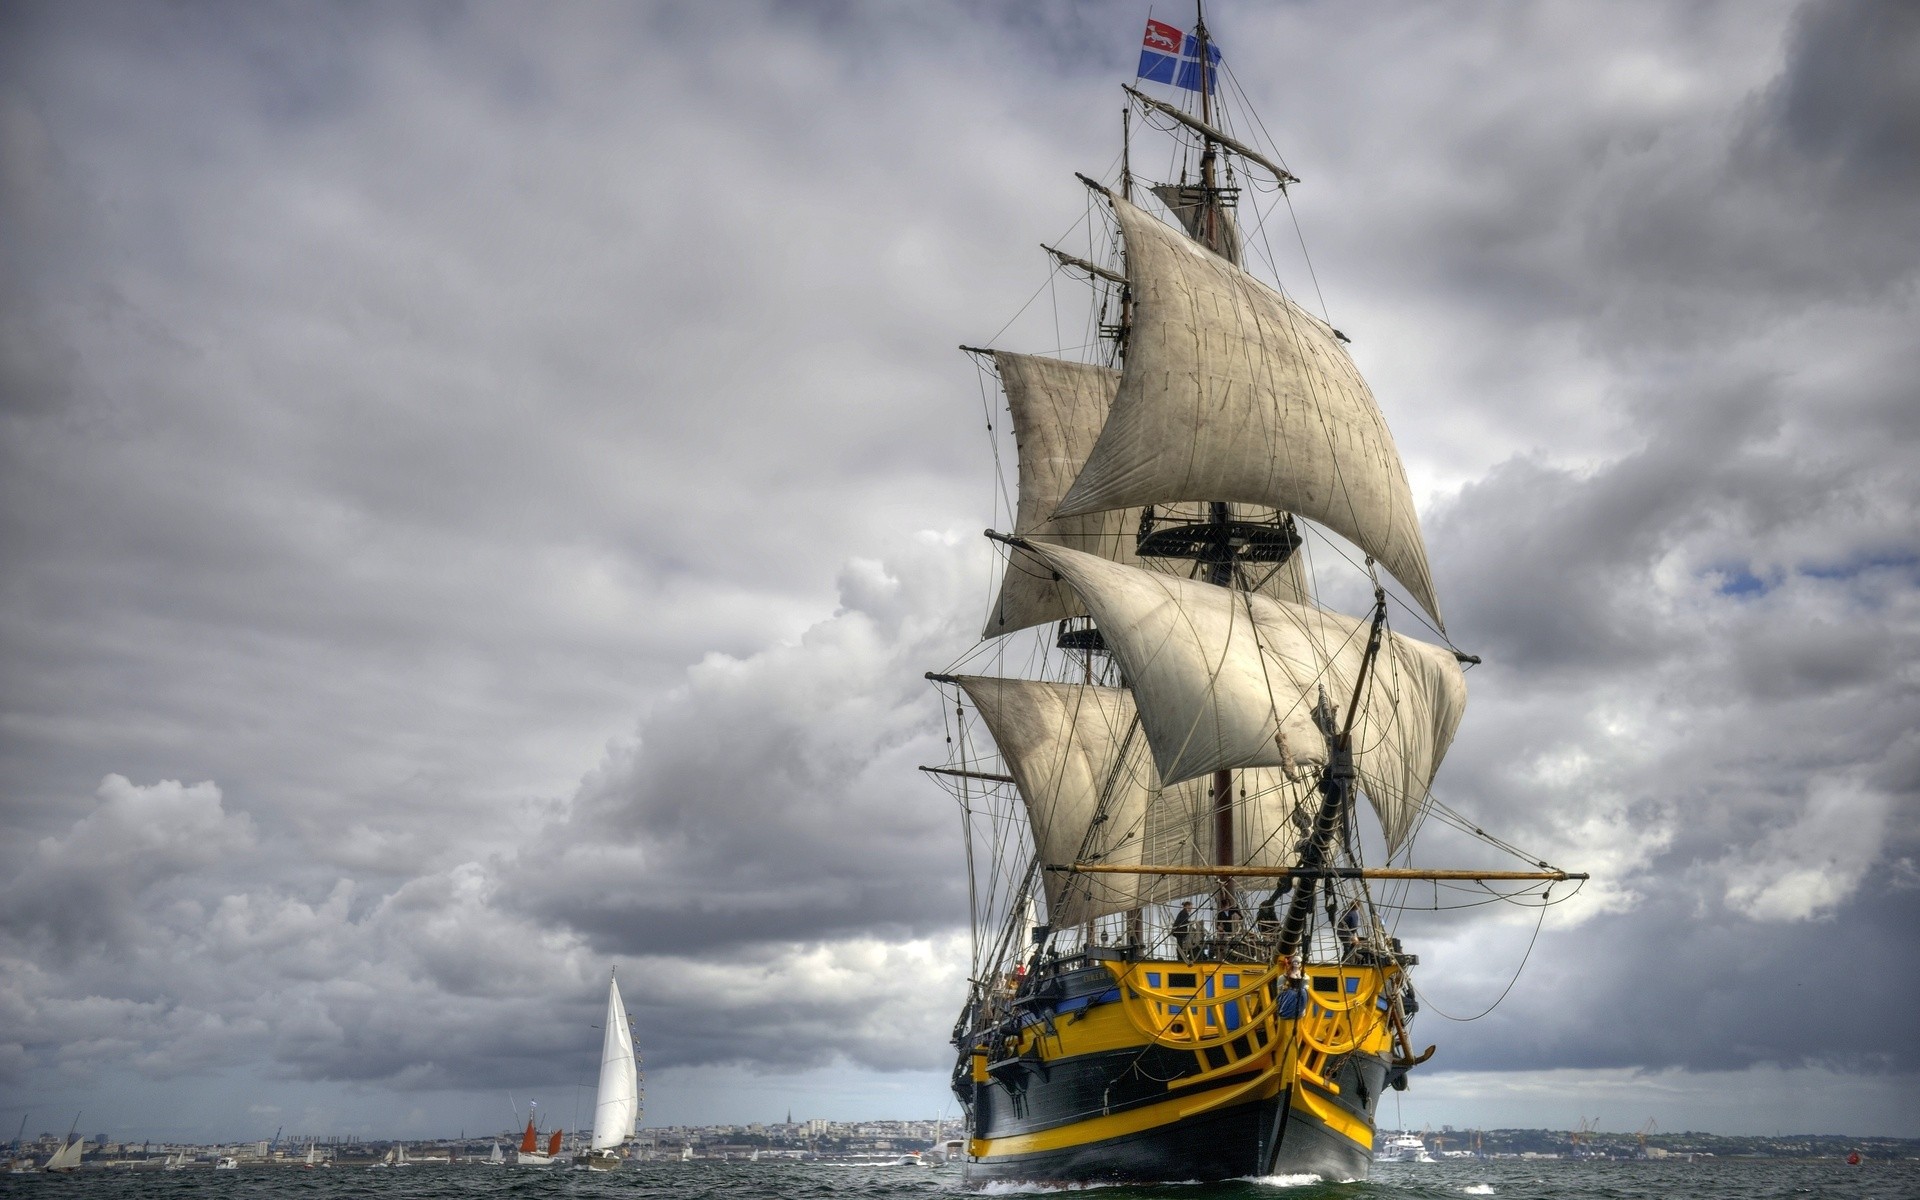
(1099, 1129)
(1334, 1117)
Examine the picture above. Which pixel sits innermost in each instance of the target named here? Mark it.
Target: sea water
(1507, 1179)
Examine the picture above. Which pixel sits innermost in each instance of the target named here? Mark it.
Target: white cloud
(1810, 865)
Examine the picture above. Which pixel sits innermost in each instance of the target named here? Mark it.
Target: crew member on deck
(1227, 926)
(1266, 919)
(1349, 929)
(1183, 931)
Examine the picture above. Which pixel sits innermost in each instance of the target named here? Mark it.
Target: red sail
(553, 1144)
(529, 1141)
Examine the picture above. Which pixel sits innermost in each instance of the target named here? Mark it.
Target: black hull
(1232, 1143)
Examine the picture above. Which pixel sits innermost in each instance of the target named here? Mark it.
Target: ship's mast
(1221, 572)
(1209, 153)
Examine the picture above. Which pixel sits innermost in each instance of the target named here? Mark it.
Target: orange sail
(529, 1141)
(553, 1144)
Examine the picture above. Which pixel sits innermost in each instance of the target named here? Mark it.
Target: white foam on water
(1000, 1187)
(1478, 1189)
(1284, 1181)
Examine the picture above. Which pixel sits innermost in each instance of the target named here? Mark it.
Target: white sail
(617, 1103)
(67, 1157)
(1216, 230)
(1233, 392)
(1058, 409)
(1069, 745)
(1228, 679)
(1066, 746)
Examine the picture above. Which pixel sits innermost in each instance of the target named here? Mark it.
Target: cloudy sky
(479, 486)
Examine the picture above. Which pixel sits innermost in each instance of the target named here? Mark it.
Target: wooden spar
(1081, 264)
(987, 775)
(1210, 133)
(1221, 575)
(1315, 872)
(1094, 185)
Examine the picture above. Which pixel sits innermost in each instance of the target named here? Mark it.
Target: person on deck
(1183, 931)
(1349, 929)
(1227, 924)
(1266, 919)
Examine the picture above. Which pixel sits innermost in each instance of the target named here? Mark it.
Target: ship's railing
(1229, 1015)
(1197, 1006)
(1345, 1011)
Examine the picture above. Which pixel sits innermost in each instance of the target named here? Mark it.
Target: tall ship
(1199, 734)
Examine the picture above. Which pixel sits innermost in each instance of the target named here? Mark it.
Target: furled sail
(1225, 679)
(616, 1106)
(1069, 745)
(1058, 408)
(1233, 392)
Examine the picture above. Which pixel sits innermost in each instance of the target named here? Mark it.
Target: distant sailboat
(617, 1104)
(496, 1159)
(530, 1154)
(67, 1157)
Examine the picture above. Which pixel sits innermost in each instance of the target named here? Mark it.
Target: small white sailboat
(617, 1104)
(67, 1157)
(686, 1154)
(495, 1159)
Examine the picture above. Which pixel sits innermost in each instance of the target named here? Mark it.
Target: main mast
(1222, 571)
(1209, 152)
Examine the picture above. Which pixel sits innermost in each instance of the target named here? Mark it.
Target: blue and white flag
(1168, 55)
